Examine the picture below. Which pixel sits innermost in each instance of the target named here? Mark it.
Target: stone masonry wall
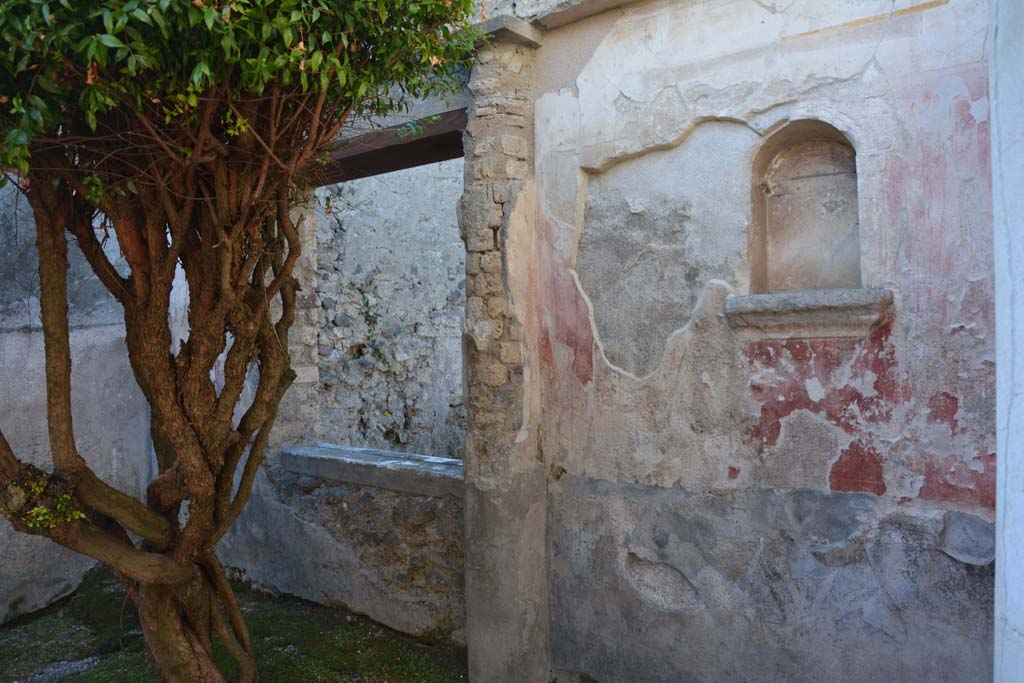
(506, 575)
(497, 149)
(395, 556)
(391, 291)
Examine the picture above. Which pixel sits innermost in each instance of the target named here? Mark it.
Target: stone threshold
(808, 314)
(423, 475)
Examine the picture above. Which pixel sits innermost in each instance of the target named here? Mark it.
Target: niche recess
(804, 240)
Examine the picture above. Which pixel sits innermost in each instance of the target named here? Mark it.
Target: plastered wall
(821, 507)
(1008, 174)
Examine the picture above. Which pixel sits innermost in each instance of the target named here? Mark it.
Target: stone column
(1007, 112)
(506, 574)
(298, 418)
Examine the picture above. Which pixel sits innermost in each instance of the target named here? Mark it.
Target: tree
(186, 130)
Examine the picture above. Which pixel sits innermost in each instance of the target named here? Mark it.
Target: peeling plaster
(900, 418)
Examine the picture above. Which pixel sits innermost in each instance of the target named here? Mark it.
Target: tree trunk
(179, 650)
(178, 625)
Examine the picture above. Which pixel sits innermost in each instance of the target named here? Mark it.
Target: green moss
(294, 641)
(30, 643)
(101, 605)
(129, 665)
(95, 621)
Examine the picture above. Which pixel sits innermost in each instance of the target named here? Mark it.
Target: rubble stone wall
(391, 551)
(391, 294)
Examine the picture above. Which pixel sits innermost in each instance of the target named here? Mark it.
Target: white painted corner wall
(1007, 92)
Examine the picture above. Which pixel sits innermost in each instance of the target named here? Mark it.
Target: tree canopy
(76, 68)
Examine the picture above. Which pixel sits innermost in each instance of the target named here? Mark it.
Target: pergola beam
(423, 141)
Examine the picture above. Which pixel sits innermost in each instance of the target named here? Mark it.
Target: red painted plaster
(734, 472)
(845, 405)
(572, 327)
(942, 409)
(952, 479)
(859, 468)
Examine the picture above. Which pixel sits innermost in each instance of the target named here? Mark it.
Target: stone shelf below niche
(808, 314)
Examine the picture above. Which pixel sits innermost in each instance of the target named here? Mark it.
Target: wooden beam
(426, 141)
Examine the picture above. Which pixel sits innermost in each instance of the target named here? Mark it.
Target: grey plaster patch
(968, 538)
(505, 568)
(796, 586)
(657, 227)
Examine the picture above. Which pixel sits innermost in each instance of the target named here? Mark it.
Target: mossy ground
(295, 642)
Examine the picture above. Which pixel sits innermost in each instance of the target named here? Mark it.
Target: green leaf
(201, 69)
(66, 61)
(111, 41)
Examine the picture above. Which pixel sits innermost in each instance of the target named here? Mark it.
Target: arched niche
(804, 228)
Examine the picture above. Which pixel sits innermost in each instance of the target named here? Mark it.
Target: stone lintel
(508, 29)
(808, 314)
(423, 475)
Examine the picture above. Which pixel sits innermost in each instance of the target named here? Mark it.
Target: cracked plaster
(651, 389)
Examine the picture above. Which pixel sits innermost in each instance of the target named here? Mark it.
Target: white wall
(1008, 200)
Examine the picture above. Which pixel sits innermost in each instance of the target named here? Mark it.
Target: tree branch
(53, 284)
(9, 464)
(140, 565)
(92, 249)
(93, 492)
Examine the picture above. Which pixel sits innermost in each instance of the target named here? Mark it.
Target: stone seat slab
(424, 475)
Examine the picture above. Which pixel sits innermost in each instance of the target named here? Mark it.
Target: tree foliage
(69, 62)
(184, 130)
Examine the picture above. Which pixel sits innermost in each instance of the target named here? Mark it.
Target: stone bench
(377, 532)
(423, 475)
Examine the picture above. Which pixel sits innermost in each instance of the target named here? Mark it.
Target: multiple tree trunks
(179, 623)
(185, 130)
(223, 217)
